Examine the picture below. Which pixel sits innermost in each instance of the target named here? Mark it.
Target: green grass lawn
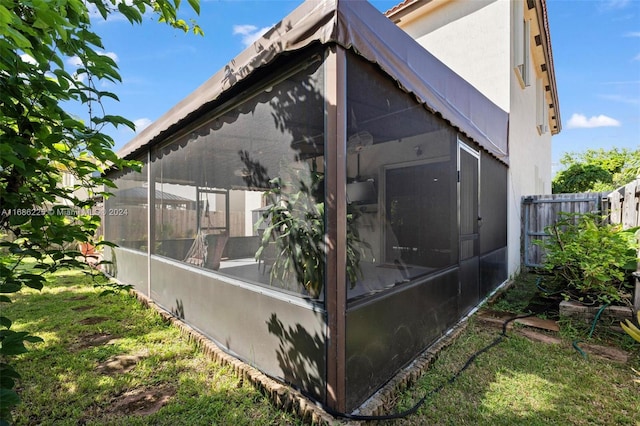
(108, 360)
(521, 382)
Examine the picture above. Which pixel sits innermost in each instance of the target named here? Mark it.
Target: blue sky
(596, 50)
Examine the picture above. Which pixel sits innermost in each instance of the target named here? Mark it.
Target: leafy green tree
(581, 178)
(39, 140)
(597, 170)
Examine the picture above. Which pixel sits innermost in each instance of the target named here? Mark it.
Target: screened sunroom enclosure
(320, 208)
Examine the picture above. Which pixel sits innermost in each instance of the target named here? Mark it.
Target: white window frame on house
(521, 41)
(542, 117)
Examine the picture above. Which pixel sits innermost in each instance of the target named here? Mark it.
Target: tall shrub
(591, 260)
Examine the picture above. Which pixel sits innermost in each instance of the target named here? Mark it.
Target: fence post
(630, 219)
(624, 210)
(636, 297)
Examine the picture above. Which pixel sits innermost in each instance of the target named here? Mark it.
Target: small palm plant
(634, 332)
(631, 329)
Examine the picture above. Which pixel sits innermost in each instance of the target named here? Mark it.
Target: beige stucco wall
(469, 37)
(474, 39)
(529, 160)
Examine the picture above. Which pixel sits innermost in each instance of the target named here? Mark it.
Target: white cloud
(111, 55)
(580, 121)
(93, 10)
(616, 4)
(244, 29)
(622, 99)
(28, 59)
(633, 34)
(249, 33)
(141, 124)
(622, 82)
(74, 61)
(80, 78)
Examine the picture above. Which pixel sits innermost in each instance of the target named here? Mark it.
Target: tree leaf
(33, 281)
(195, 5)
(5, 322)
(9, 287)
(8, 398)
(33, 339)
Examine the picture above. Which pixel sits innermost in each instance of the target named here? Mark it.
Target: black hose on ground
(422, 400)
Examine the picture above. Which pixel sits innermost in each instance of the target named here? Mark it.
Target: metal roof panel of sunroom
(360, 27)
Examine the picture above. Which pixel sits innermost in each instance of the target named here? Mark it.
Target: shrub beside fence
(621, 206)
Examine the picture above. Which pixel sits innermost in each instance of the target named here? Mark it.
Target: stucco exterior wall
(469, 37)
(529, 160)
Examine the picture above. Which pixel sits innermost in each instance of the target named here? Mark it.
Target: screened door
(469, 220)
(468, 170)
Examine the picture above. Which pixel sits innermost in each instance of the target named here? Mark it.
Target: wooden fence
(621, 206)
(624, 205)
(541, 211)
(174, 223)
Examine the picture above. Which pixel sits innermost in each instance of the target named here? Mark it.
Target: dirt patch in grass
(93, 320)
(120, 364)
(141, 401)
(82, 308)
(76, 298)
(550, 335)
(606, 352)
(133, 402)
(91, 340)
